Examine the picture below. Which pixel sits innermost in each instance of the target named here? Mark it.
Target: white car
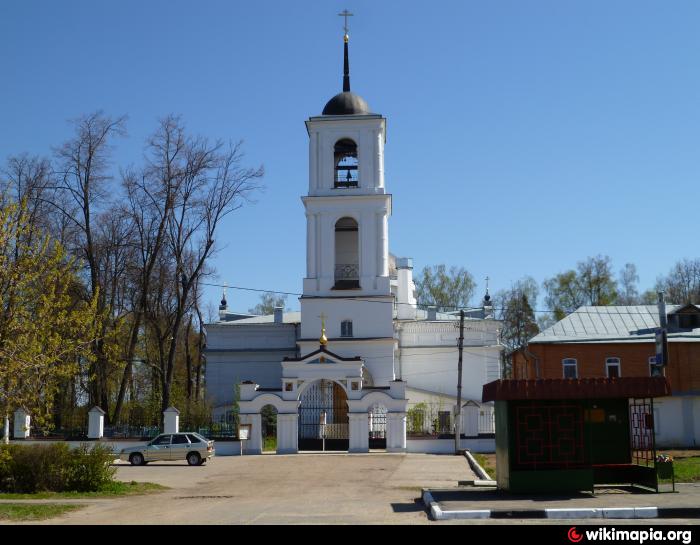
(188, 446)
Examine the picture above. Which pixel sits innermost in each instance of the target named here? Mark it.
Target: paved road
(307, 488)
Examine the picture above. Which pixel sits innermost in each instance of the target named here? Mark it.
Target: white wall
(677, 421)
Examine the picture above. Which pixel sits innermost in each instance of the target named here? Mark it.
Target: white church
(360, 367)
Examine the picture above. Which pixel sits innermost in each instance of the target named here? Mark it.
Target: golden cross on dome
(345, 13)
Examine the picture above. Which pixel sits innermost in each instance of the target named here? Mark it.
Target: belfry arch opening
(345, 161)
(347, 255)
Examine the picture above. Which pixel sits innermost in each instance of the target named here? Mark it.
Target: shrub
(91, 468)
(54, 468)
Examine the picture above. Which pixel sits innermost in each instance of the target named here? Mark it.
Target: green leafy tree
(268, 301)
(45, 328)
(446, 289)
(591, 283)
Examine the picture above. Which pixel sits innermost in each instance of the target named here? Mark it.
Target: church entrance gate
(323, 417)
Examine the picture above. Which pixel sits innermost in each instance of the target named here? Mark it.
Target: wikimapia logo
(638, 536)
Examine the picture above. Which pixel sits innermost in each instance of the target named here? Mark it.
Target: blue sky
(523, 136)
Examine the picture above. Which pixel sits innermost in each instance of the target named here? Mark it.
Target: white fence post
(22, 424)
(171, 420)
(96, 423)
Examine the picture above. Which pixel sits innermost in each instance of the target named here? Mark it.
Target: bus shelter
(566, 435)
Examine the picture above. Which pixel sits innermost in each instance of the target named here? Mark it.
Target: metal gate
(377, 427)
(323, 417)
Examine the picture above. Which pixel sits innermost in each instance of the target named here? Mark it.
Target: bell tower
(347, 241)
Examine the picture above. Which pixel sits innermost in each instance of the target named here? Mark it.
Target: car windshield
(201, 438)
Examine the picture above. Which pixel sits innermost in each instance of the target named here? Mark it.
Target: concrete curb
(476, 468)
(438, 513)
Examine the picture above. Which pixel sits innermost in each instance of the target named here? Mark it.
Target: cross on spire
(345, 13)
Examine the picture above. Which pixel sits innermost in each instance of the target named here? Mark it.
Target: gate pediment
(321, 356)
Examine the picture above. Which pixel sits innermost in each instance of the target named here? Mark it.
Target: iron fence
(437, 419)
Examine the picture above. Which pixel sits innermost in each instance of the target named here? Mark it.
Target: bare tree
(682, 285)
(214, 184)
(82, 177)
(628, 293)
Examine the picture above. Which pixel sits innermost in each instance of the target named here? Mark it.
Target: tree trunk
(128, 367)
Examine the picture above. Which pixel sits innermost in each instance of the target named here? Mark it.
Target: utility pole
(458, 412)
(661, 337)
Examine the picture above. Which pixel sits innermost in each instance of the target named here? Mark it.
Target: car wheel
(137, 459)
(193, 459)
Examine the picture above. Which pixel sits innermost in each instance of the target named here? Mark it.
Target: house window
(288, 386)
(346, 328)
(444, 422)
(654, 369)
(569, 366)
(612, 368)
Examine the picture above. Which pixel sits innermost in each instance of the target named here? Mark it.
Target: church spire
(346, 62)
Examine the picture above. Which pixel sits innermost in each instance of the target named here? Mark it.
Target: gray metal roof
(612, 324)
(287, 318)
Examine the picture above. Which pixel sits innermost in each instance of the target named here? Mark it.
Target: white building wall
(677, 421)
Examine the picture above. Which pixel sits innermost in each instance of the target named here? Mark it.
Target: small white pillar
(359, 432)
(288, 433)
(396, 432)
(96, 423)
(254, 444)
(171, 420)
(22, 424)
(470, 420)
(6, 431)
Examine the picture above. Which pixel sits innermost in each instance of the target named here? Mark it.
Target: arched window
(612, 368)
(347, 256)
(570, 368)
(346, 328)
(345, 161)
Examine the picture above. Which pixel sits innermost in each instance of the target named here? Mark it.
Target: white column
(6, 431)
(254, 444)
(287, 433)
(96, 423)
(396, 432)
(382, 244)
(313, 161)
(22, 424)
(310, 245)
(359, 432)
(380, 158)
(171, 420)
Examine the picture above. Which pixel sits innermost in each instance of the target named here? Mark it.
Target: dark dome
(346, 103)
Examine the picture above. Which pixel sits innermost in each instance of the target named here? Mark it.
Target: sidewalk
(613, 502)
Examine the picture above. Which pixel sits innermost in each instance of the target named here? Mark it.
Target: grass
(19, 512)
(117, 488)
(686, 470)
(487, 462)
(269, 443)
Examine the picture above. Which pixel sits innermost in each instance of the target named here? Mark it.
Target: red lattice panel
(549, 436)
(642, 432)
